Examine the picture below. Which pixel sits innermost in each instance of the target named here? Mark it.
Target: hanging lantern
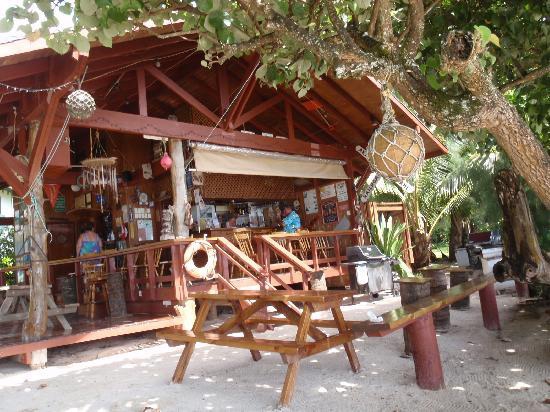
(166, 161)
(80, 104)
(394, 151)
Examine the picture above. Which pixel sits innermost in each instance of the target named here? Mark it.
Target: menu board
(330, 212)
(326, 192)
(341, 191)
(310, 202)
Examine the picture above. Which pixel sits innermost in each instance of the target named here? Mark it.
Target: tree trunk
(36, 324)
(422, 245)
(523, 259)
(456, 235)
(179, 188)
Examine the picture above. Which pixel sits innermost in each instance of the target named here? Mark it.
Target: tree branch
(415, 28)
(254, 44)
(530, 77)
(431, 7)
(339, 26)
(373, 18)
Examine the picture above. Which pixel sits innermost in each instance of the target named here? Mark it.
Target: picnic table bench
(243, 318)
(16, 303)
(417, 320)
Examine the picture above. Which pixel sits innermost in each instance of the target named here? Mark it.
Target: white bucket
(462, 258)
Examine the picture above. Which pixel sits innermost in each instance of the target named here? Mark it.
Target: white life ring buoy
(200, 270)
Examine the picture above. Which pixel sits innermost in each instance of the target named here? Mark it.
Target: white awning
(230, 160)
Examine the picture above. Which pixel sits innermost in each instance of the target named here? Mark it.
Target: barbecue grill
(370, 271)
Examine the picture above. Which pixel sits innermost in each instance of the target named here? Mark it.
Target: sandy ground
(483, 372)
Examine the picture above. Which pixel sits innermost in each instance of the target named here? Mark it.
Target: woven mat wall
(223, 186)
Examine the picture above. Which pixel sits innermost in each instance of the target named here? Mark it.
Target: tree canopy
(450, 60)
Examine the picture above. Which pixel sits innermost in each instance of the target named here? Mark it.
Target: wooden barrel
(442, 318)
(412, 289)
(458, 277)
(117, 300)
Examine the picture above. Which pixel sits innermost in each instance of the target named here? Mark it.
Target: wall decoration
(330, 212)
(198, 178)
(328, 191)
(341, 191)
(310, 202)
(60, 204)
(147, 171)
(145, 230)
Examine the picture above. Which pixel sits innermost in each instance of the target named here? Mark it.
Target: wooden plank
(266, 345)
(7, 173)
(142, 92)
(289, 121)
(257, 110)
(401, 317)
(183, 94)
(139, 125)
(348, 345)
(311, 296)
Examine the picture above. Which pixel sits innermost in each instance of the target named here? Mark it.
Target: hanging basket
(80, 104)
(395, 151)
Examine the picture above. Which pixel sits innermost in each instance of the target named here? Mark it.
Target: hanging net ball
(394, 151)
(80, 104)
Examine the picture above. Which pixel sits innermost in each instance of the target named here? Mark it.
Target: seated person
(291, 220)
(89, 241)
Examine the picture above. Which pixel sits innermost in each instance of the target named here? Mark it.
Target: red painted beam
(351, 100)
(262, 107)
(289, 121)
(142, 92)
(139, 125)
(183, 94)
(241, 102)
(10, 166)
(223, 88)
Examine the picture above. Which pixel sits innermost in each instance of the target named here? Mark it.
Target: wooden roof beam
(8, 171)
(256, 111)
(183, 94)
(68, 67)
(242, 100)
(352, 101)
(139, 125)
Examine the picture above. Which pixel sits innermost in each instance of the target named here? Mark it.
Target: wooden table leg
(290, 382)
(489, 308)
(190, 346)
(294, 318)
(292, 371)
(256, 355)
(427, 361)
(348, 346)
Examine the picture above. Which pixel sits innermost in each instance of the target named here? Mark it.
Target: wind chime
(394, 152)
(100, 171)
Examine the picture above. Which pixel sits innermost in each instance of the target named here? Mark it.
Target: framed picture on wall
(330, 212)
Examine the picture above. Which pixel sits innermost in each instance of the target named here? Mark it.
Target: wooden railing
(155, 274)
(302, 253)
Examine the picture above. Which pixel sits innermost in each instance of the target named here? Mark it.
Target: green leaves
(81, 43)
(6, 25)
(214, 21)
(88, 7)
(486, 35)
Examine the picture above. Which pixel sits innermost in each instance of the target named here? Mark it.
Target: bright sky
(15, 34)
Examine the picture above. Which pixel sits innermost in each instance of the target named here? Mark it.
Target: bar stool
(95, 279)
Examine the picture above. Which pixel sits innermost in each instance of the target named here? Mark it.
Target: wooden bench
(17, 300)
(416, 318)
(291, 351)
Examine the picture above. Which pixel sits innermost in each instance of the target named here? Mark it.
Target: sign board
(328, 191)
(330, 212)
(310, 202)
(341, 191)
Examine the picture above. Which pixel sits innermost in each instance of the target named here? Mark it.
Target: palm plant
(388, 236)
(439, 188)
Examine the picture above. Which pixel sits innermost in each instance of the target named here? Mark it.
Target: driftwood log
(523, 258)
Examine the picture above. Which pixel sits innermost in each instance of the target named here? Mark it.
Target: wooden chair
(95, 279)
(243, 240)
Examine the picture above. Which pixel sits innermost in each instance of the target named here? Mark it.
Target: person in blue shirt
(291, 220)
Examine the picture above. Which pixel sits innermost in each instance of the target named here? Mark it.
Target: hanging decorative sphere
(80, 104)
(395, 151)
(166, 161)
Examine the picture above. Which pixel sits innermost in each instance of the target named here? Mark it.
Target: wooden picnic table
(15, 306)
(292, 351)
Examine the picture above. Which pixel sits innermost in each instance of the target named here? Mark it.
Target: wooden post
(427, 361)
(37, 322)
(489, 308)
(179, 188)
